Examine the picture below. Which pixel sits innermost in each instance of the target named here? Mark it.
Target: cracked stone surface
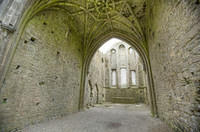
(105, 118)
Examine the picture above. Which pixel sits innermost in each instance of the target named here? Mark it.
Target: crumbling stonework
(125, 95)
(43, 80)
(43, 72)
(122, 56)
(99, 80)
(95, 93)
(175, 60)
(127, 58)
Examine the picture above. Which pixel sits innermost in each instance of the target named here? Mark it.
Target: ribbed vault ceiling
(94, 18)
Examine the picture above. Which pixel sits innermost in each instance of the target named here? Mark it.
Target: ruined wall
(175, 61)
(122, 56)
(96, 79)
(94, 92)
(125, 95)
(43, 80)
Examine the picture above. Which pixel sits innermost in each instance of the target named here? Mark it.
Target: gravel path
(105, 118)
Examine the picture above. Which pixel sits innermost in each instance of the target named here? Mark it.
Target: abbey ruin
(54, 78)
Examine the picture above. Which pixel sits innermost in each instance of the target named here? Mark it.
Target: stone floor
(105, 118)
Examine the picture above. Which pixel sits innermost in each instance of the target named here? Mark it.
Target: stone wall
(175, 60)
(43, 80)
(122, 56)
(125, 95)
(94, 92)
(100, 70)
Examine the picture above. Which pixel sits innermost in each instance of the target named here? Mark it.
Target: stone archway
(143, 54)
(156, 25)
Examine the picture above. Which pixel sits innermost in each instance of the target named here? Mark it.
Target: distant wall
(125, 95)
(100, 71)
(122, 56)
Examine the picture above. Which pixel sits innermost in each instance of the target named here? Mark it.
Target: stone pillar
(127, 68)
(10, 13)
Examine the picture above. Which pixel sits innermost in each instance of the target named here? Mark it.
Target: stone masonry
(175, 58)
(46, 46)
(45, 65)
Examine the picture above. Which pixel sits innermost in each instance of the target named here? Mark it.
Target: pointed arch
(141, 51)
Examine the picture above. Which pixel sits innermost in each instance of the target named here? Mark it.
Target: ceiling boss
(102, 7)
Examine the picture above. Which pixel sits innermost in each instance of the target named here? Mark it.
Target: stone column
(10, 14)
(11, 11)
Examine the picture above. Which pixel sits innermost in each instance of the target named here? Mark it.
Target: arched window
(121, 46)
(133, 77)
(122, 56)
(130, 50)
(113, 51)
(114, 77)
(123, 77)
(113, 59)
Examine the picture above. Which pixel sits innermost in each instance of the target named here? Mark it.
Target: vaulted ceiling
(94, 18)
